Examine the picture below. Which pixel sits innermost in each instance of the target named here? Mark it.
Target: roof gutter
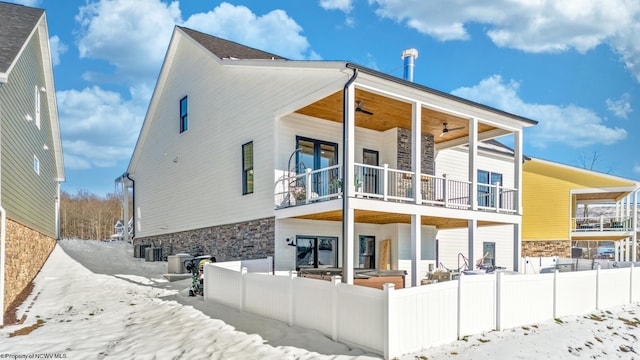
(416, 86)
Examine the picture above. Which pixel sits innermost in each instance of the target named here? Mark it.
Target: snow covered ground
(94, 300)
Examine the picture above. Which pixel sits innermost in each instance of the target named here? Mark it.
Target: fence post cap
(389, 286)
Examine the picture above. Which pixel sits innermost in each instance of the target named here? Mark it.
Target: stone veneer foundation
(26, 251)
(245, 240)
(546, 248)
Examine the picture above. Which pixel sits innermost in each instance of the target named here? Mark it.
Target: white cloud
(98, 127)
(620, 108)
(274, 32)
(571, 125)
(342, 5)
(531, 26)
(57, 48)
(131, 35)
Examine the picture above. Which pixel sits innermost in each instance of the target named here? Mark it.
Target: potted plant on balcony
(336, 187)
(357, 183)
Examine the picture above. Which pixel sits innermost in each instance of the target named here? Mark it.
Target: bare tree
(88, 216)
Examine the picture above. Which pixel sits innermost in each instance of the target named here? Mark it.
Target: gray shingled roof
(225, 49)
(16, 23)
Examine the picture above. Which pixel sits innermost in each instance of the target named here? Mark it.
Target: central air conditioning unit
(139, 251)
(153, 254)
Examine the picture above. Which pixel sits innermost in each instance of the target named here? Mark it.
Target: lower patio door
(316, 251)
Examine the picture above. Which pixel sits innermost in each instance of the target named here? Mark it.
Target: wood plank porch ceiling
(381, 218)
(601, 196)
(390, 113)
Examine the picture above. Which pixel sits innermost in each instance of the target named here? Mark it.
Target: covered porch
(608, 214)
(369, 148)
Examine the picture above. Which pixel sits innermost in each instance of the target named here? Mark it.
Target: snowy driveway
(123, 309)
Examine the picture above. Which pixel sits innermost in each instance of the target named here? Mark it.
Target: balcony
(385, 184)
(601, 224)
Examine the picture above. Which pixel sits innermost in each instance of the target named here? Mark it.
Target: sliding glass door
(317, 154)
(316, 251)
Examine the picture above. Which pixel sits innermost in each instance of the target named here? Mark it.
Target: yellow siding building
(554, 199)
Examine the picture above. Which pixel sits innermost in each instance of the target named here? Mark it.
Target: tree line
(87, 216)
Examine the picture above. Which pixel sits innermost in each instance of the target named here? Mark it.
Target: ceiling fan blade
(359, 109)
(458, 128)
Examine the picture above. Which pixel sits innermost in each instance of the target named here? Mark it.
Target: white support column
(348, 214)
(634, 225)
(627, 213)
(517, 246)
(472, 227)
(416, 250)
(626, 249)
(125, 208)
(416, 151)
(517, 167)
(473, 166)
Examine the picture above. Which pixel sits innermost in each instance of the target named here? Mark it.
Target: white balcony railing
(601, 223)
(383, 183)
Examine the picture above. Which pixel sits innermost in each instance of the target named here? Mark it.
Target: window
(370, 175)
(487, 193)
(184, 117)
(316, 251)
(488, 254)
(314, 155)
(247, 168)
(37, 112)
(36, 165)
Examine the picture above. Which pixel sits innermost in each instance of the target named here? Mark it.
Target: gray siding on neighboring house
(28, 197)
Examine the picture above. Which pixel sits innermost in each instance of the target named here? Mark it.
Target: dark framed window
(247, 168)
(316, 251)
(489, 254)
(317, 154)
(486, 193)
(369, 179)
(184, 116)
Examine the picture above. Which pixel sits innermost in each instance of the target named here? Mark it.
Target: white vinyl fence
(396, 322)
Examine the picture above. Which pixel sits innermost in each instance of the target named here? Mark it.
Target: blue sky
(572, 65)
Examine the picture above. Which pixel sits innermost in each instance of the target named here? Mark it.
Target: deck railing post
(385, 182)
(307, 180)
(496, 197)
(445, 186)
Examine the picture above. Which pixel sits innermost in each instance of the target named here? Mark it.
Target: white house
(245, 154)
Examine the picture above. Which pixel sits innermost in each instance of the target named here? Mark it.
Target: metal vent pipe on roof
(409, 56)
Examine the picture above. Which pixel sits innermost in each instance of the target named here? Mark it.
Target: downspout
(133, 205)
(58, 212)
(3, 229)
(346, 174)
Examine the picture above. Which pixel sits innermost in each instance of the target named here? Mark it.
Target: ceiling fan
(446, 129)
(360, 108)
